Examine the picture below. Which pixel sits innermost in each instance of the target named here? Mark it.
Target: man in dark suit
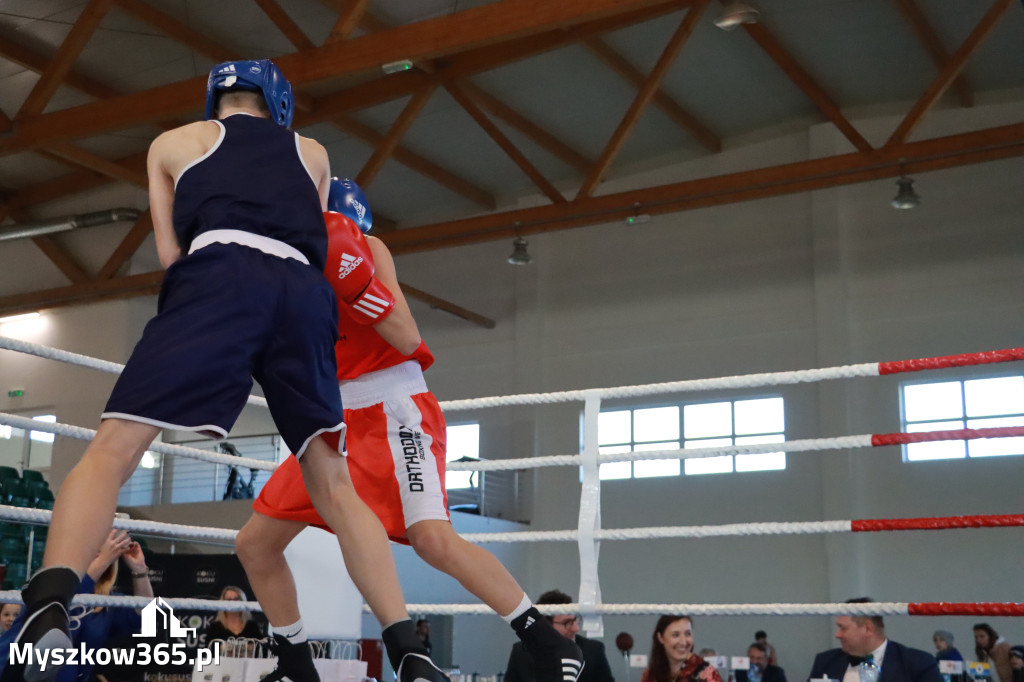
(595, 662)
(758, 655)
(863, 636)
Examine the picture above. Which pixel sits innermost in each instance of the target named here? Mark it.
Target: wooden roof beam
(390, 142)
(914, 157)
(918, 21)
(467, 102)
(285, 24)
(81, 31)
(926, 155)
(806, 83)
(130, 243)
(949, 73)
(643, 98)
(62, 259)
(447, 306)
(528, 128)
(424, 167)
(65, 153)
(684, 119)
(347, 21)
(498, 23)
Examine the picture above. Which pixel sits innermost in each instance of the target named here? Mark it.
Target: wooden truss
(446, 51)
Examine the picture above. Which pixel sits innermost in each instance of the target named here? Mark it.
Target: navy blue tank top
(254, 181)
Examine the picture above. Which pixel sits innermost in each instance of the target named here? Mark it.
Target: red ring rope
(937, 523)
(942, 608)
(953, 434)
(941, 362)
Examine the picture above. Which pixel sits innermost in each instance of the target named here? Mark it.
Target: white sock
(293, 633)
(519, 610)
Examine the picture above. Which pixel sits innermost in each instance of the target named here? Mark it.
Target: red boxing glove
(350, 269)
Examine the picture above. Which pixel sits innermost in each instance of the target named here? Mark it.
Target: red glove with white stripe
(349, 269)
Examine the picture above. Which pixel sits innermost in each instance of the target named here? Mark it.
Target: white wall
(799, 281)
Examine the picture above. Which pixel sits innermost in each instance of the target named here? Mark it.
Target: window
(697, 425)
(971, 403)
(463, 441)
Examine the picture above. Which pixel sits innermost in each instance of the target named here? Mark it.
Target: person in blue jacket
(96, 627)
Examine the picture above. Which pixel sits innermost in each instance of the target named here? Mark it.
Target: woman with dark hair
(990, 647)
(672, 658)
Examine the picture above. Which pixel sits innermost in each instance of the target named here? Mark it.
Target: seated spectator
(672, 658)
(232, 624)
(944, 649)
(761, 637)
(97, 627)
(707, 652)
(991, 648)
(760, 668)
(8, 612)
(861, 637)
(520, 666)
(1017, 663)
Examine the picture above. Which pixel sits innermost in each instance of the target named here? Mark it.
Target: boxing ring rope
(867, 369)
(589, 532)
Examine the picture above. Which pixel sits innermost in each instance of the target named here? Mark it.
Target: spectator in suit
(758, 655)
(423, 632)
(761, 637)
(595, 663)
(861, 636)
(990, 647)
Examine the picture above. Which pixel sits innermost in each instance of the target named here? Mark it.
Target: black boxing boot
(294, 662)
(556, 658)
(409, 658)
(47, 598)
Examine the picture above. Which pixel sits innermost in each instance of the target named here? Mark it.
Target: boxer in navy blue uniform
(237, 206)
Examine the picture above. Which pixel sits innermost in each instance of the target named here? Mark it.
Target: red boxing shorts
(395, 442)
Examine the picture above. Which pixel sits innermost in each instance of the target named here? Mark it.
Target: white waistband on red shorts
(267, 245)
(375, 387)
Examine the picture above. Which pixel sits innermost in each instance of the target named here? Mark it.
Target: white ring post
(590, 518)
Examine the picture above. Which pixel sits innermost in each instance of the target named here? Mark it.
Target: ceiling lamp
(519, 255)
(906, 197)
(736, 13)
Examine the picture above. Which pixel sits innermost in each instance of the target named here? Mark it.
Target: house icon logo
(158, 615)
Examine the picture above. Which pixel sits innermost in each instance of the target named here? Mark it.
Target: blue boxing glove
(347, 198)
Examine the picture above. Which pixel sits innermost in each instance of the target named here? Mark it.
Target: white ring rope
(8, 343)
(829, 609)
(182, 603)
(661, 532)
(163, 448)
(156, 528)
(866, 369)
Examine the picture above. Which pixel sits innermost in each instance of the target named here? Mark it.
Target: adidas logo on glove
(348, 264)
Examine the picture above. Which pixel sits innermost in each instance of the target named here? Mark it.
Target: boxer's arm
(399, 328)
(319, 164)
(161, 201)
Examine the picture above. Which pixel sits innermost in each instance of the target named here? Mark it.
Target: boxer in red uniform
(395, 444)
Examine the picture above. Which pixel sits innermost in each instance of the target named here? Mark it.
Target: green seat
(9, 472)
(16, 575)
(18, 493)
(40, 493)
(13, 549)
(15, 530)
(32, 476)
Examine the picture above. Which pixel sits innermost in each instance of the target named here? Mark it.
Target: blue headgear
(348, 199)
(255, 76)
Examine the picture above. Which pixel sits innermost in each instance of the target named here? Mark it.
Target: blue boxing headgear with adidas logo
(259, 75)
(347, 198)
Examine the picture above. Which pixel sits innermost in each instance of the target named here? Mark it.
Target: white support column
(590, 519)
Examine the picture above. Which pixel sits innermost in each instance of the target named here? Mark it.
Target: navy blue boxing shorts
(228, 314)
